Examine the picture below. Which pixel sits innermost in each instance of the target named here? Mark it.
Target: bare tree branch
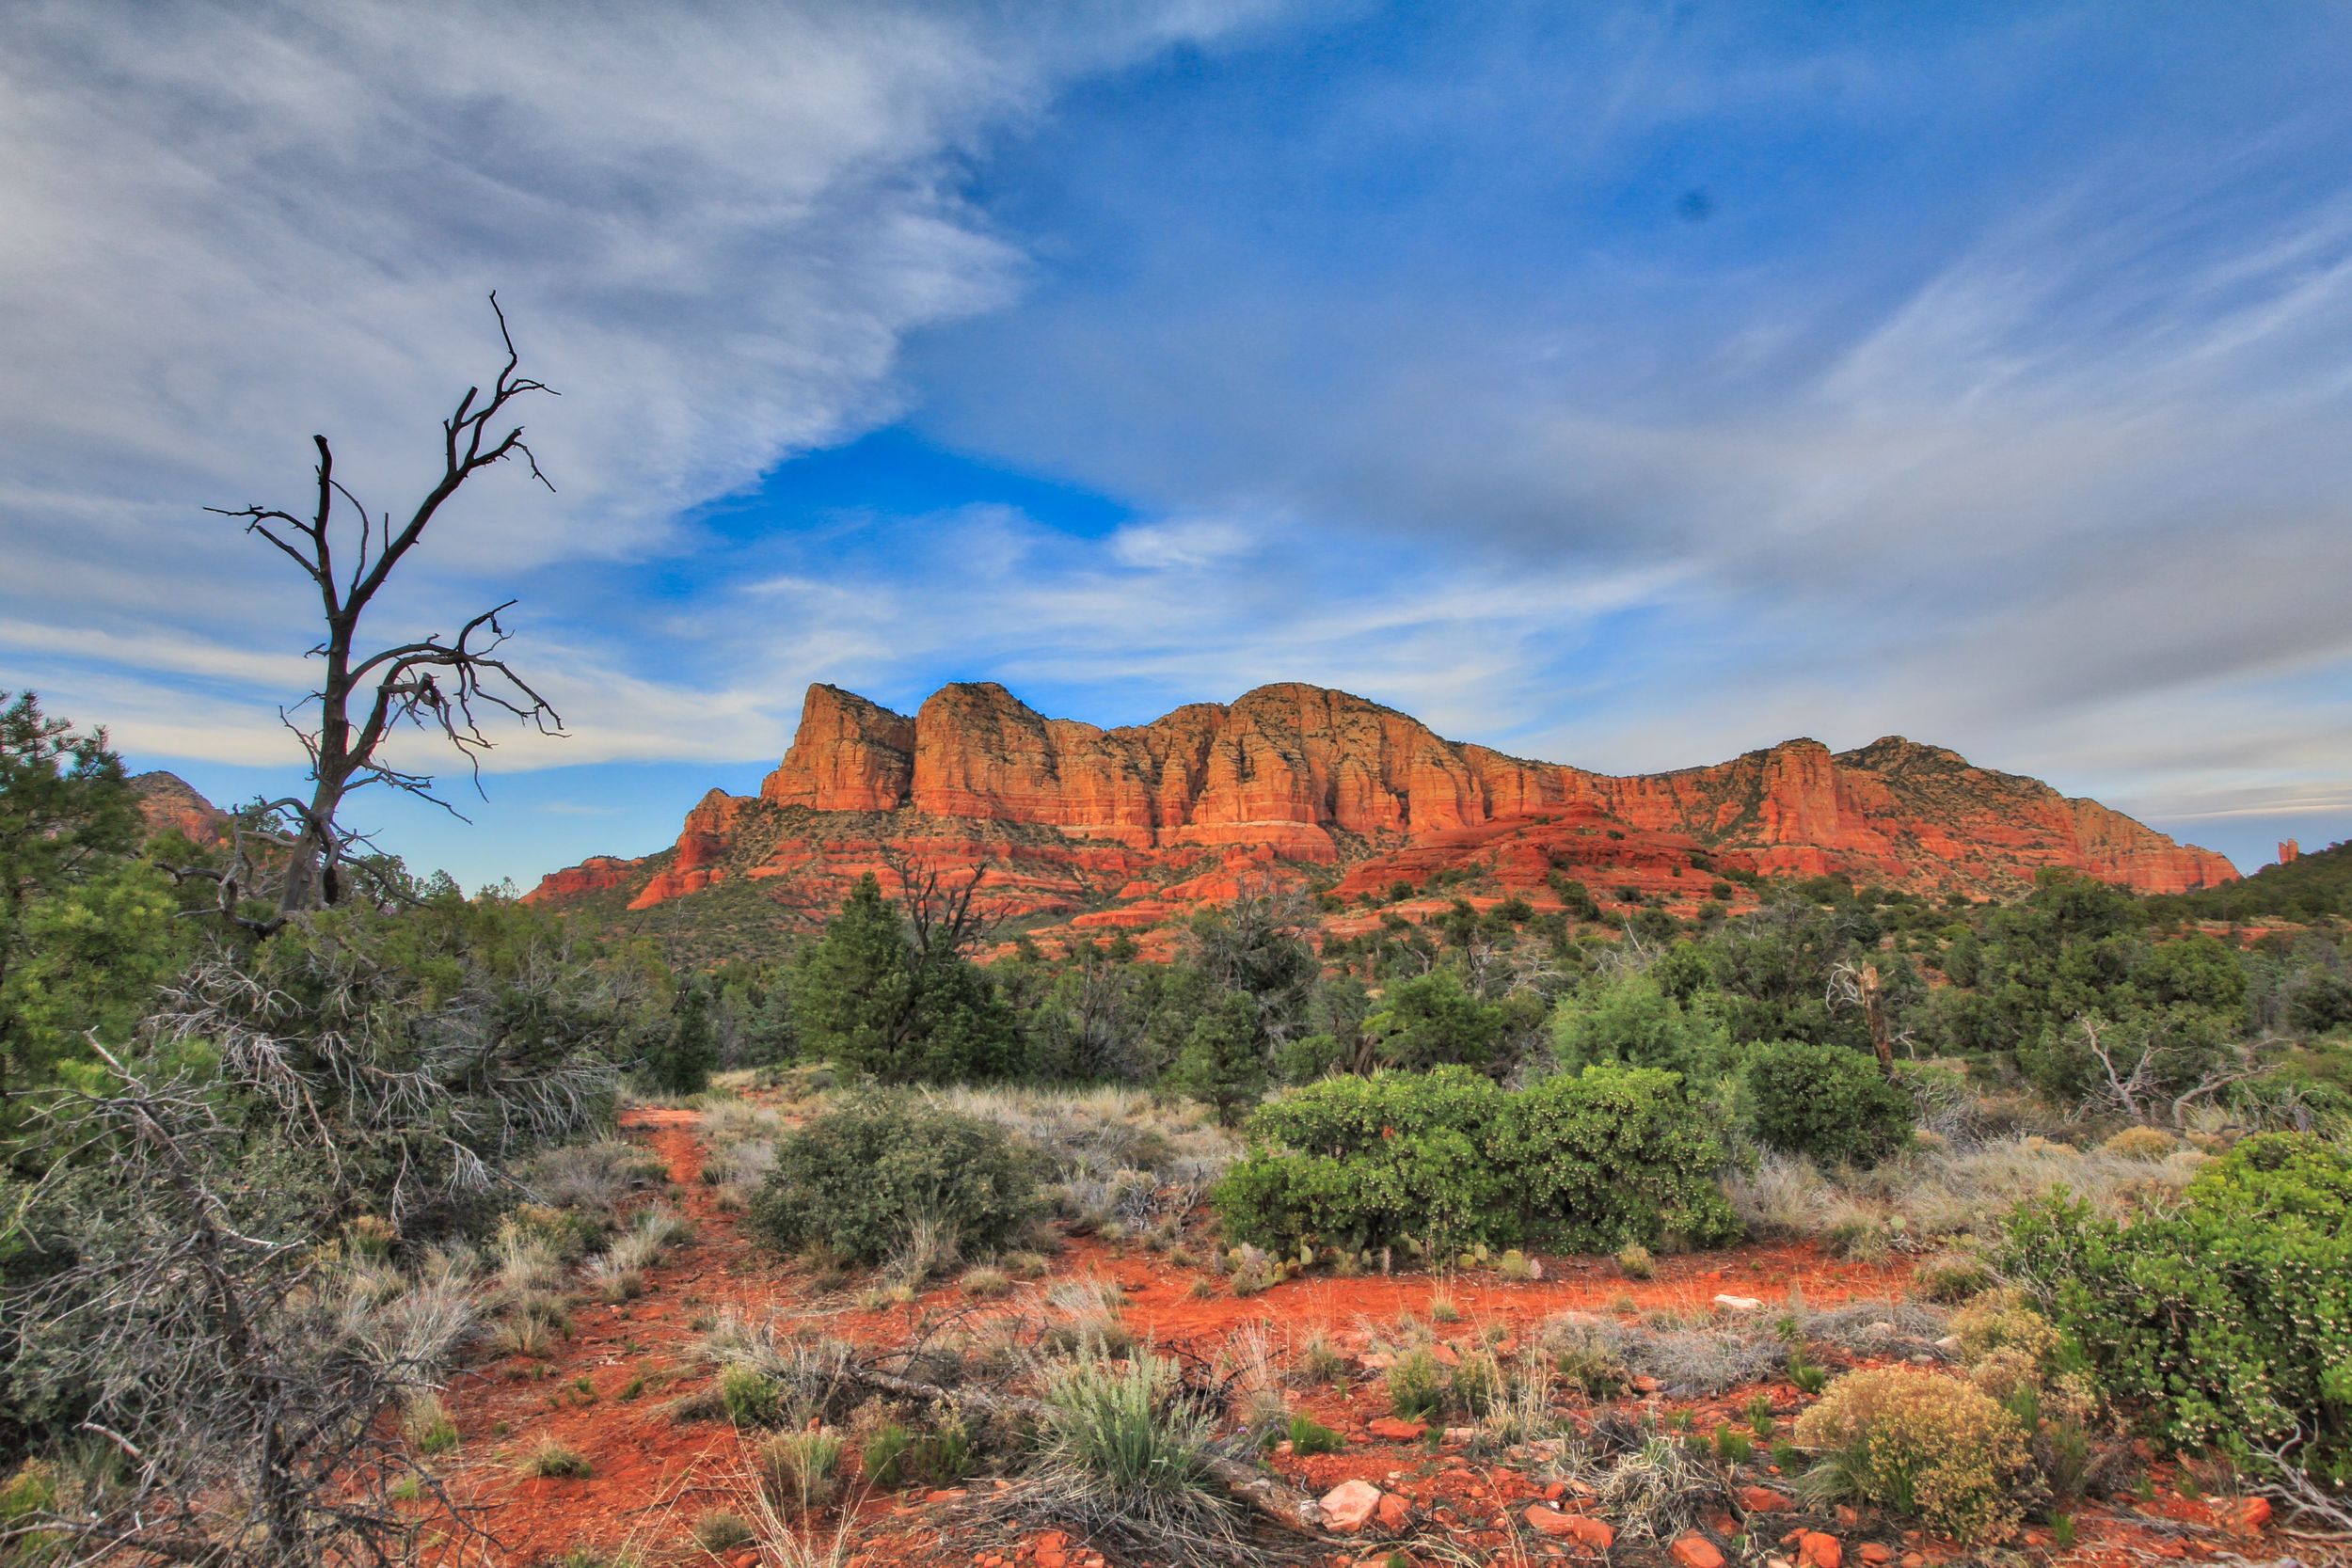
(444, 687)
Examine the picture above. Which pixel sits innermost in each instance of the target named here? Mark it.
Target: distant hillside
(2306, 888)
(169, 802)
(1129, 829)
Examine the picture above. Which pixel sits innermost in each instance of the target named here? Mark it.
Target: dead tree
(937, 908)
(439, 684)
(1857, 986)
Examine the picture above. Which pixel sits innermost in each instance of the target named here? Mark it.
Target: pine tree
(1223, 1060)
(682, 1065)
(853, 992)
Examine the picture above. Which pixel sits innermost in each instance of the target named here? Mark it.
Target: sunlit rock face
(1126, 827)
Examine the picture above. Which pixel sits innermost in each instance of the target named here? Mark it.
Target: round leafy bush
(1825, 1101)
(861, 1176)
(1616, 1157)
(1445, 1161)
(1393, 1161)
(2228, 1321)
(1921, 1444)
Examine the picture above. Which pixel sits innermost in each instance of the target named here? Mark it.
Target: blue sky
(1624, 385)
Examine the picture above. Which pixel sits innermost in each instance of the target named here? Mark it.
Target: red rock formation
(849, 754)
(2288, 850)
(595, 874)
(168, 802)
(1123, 826)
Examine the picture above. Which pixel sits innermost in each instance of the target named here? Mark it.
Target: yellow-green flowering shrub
(1920, 1444)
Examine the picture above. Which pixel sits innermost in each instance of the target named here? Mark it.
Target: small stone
(1459, 1438)
(1645, 1385)
(1914, 1560)
(1556, 1491)
(1393, 1512)
(1738, 1304)
(1395, 1429)
(1696, 1551)
(1849, 1517)
(1571, 1526)
(1876, 1553)
(1763, 1500)
(1348, 1505)
(1816, 1551)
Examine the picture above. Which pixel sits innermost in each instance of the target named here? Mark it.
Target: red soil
(652, 1476)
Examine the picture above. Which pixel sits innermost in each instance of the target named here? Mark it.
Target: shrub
(553, 1458)
(720, 1531)
(1921, 1444)
(861, 1176)
(2141, 1143)
(1395, 1160)
(797, 1469)
(2227, 1323)
(751, 1397)
(1616, 1156)
(1416, 1384)
(1446, 1162)
(1635, 1263)
(1126, 1450)
(1825, 1101)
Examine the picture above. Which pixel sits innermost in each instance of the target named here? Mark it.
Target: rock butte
(1125, 828)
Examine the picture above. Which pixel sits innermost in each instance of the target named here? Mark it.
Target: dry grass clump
(799, 1471)
(2141, 1143)
(1925, 1445)
(1083, 1318)
(551, 1459)
(1648, 1485)
(1929, 1193)
(1122, 1161)
(1875, 1328)
(772, 1376)
(596, 1178)
(1586, 1353)
(1124, 1453)
(723, 1530)
(739, 1150)
(986, 1282)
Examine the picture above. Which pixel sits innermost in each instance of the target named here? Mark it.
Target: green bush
(2227, 1323)
(1447, 1162)
(1395, 1160)
(1825, 1101)
(859, 1178)
(1616, 1157)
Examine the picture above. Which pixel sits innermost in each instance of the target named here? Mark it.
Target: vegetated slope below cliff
(1130, 827)
(2309, 887)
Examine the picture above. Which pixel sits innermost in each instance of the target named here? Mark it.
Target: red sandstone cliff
(1131, 824)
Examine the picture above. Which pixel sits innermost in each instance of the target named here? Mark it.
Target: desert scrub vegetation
(1824, 1102)
(2226, 1323)
(1928, 1194)
(863, 1177)
(1924, 1445)
(1436, 1164)
(1124, 1451)
(1115, 1160)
